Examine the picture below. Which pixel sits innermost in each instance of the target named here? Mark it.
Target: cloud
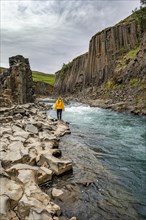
(54, 32)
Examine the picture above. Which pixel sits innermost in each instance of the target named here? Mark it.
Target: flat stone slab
(10, 188)
(43, 174)
(57, 192)
(6, 130)
(23, 134)
(16, 128)
(15, 152)
(59, 166)
(31, 128)
(45, 136)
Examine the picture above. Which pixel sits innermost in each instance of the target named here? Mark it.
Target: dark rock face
(71, 78)
(128, 85)
(21, 80)
(97, 66)
(105, 47)
(114, 69)
(16, 82)
(43, 89)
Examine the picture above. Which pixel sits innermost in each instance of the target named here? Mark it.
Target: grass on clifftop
(39, 76)
(43, 77)
(123, 61)
(138, 15)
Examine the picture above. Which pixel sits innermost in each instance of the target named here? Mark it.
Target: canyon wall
(43, 89)
(126, 89)
(70, 78)
(104, 49)
(99, 64)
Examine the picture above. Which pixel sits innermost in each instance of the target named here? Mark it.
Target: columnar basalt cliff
(70, 78)
(16, 82)
(97, 66)
(126, 89)
(113, 70)
(43, 89)
(116, 59)
(104, 49)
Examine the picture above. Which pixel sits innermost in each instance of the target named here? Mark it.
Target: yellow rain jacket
(59, 105)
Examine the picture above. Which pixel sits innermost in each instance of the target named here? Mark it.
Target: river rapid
(108, 150)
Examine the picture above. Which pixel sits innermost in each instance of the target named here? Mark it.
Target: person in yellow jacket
(59, 106)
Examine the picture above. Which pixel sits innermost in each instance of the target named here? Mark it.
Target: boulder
(33, 199)
(73, 218)
(31, 128)
(62, 129)
(10, 193)
(59, 166)
(16, 128)
(6, 119)
(57, 192)
(45, 136)
(4, 207)
(17, 138)
(5, 130)
(16, 152)
(44, 175)
(10, 188)
(3, 145)
(34, 215)
(23, 134)
(3, 173)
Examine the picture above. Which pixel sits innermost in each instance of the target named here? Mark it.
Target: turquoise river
(118, 144)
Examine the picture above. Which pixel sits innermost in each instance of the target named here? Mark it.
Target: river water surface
(109, 154)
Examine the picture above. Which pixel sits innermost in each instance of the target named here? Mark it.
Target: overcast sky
(54, 32)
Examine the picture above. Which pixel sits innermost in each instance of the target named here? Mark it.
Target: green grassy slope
(2, 69)
(43, 77)
(39, 76)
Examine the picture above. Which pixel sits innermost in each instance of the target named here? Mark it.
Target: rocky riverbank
(120, 106)
(29, 156)
(123, 106)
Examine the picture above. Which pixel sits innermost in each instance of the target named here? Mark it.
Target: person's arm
(62, 105)
(55, 106)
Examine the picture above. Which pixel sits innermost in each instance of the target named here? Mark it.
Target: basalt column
(106, 47)
(21, 83)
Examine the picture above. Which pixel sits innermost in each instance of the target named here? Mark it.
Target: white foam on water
(81, 109)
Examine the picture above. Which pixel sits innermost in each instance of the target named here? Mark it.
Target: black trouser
(59, 114)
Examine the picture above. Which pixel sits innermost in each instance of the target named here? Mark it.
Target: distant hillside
(43, 77)
(2, 69)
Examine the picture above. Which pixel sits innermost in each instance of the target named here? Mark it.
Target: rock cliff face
(104, 49)
(113, 70)
(98, 65)
(70, 78)
(126, 89)
(43, 89)
(16, 82)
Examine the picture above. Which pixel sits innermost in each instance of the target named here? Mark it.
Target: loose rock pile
(29, 156)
